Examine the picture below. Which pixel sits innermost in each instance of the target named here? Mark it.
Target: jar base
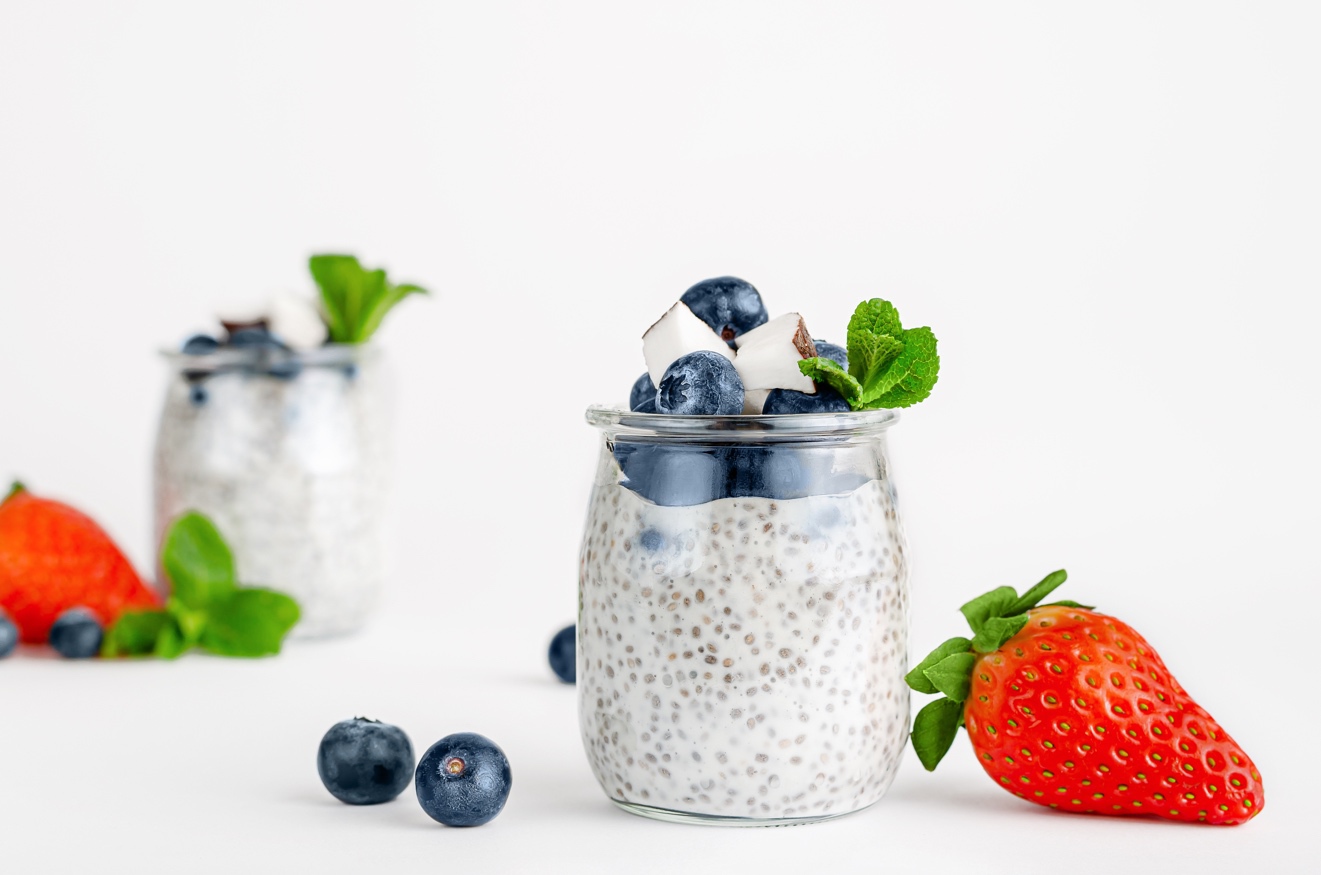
(669, 816)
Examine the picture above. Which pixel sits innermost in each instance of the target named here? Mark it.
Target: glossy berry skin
(1078, 712)
(52, 558)
(563, 656)
(77, 634)
(364, 762)
(642, 394)
(200, 344)
(729, 305)
(701, 383)
(8, 635)
(463, 780)
(836, 353)
(826, 400)
(254, 338)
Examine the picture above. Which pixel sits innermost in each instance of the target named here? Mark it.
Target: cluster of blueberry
(462, 780)
(264, 353)
(75, 634)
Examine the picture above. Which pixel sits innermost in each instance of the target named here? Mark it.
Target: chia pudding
(741, 648)
(286, 454)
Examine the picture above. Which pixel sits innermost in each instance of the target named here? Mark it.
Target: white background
(1109, 213)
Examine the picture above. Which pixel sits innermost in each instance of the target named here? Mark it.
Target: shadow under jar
(286, 453)
(743, 616)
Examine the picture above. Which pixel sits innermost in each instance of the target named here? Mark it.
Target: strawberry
(52, 558)
(1072, 709)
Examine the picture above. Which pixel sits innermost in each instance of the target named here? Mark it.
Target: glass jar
(743, 616)
(286, 453)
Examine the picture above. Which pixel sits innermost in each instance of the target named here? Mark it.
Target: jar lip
(613, 419)
(330, 355)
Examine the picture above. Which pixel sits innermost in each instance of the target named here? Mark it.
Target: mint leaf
(987, 605)
(134, 633)
(917, 678)
(355, 300)
(934, 731)
(873, 342)
(996, 631)
(910, 377)
(251, 622)
(197, 561)
(1029, 599)
(953, 675)
(877, 316)
(170, 643)
(828, 371)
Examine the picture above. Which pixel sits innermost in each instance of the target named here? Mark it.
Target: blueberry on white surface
(562, 656)
(729, 305)
(833, 351)
(76, 634)
(642, 393)
(8, 635)
(463, 780)
(200, 344)
(701, 383)
(364, 762)
(826, 400)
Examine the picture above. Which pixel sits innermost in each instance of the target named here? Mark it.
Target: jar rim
(615, 420)
(330, 355)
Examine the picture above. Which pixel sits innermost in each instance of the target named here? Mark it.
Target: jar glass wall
(743, 616)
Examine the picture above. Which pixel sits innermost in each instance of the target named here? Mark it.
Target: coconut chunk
(754, 401)
(296, 320)
(769, 354)
(676, 334)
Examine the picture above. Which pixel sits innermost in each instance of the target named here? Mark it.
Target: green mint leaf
(873, 343)
(134, 633)
(251, 622)
(987, 605)
(953, 675)
(910, 377)
(877, 316)
(197, 561)
(828, 371)
(1029, 599)
(934, 731)
(355, 300)
(917, 678)
(170, 643)
(996, 631)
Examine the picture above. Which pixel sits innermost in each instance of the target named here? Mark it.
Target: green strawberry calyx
(14, 489)
(994, 617)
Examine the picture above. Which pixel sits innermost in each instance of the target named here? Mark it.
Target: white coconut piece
(676, 334)
(754, 400)
(769, 354)
(296, 320)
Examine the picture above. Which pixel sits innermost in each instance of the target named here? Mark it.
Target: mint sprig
(355, 300)
(889, 366)
(207, 607)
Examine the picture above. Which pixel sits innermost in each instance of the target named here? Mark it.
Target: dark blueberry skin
(363, 762)
(701, 383)
(826, 400)
(286, 369)
(254, 338)
(200, 344)
(8, 635)
(76, 634)
(463, 780)
(731, 306)
(837, 354)
(674, 476)
(197, 395)
(642, 393)
(562, 655)
(768, 472)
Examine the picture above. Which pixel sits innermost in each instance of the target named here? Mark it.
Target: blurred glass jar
(287, 453)
(743, 616)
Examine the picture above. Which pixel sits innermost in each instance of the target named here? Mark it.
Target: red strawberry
(53, 558)
(1072, 709)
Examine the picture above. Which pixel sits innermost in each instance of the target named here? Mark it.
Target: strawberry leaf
(988, 605)
(996, 631)
(934, 731)
(953, 675)
(1069, 603)
(917, 678)
(1033, 596)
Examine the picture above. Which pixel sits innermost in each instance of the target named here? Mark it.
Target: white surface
(1108, 213)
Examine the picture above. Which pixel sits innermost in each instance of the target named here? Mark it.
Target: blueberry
(837, 354)
(701, 383)
(643, 391)
(254, 338)
(364, 762)
(76, 634)
(285, 369)
(463, 780)
(731, 306)
(562, 655)
(8, 635)
(648, 406)
(351, 371)
(200, 344)
(197, 395)
(826, 400)
(651, 540)
(768, 472)
(674, 476)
